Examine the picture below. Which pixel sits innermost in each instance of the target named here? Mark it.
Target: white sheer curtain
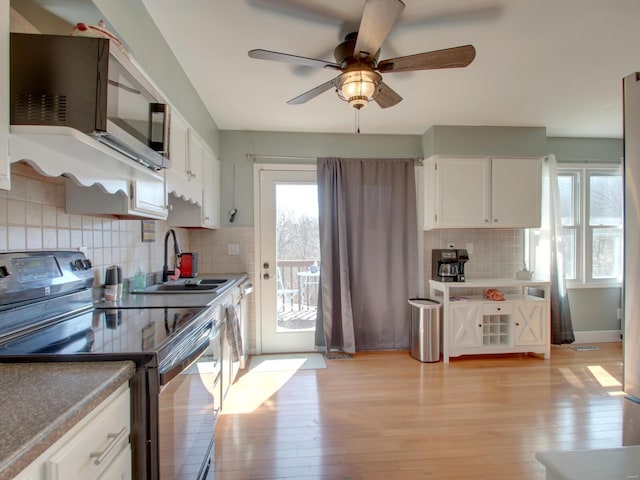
(547, 258)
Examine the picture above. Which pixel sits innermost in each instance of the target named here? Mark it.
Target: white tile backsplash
(497, 253)
(33, 217)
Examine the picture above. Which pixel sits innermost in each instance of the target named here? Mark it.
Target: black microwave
(90, 85)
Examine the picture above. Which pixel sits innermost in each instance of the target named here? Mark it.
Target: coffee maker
(448, 264)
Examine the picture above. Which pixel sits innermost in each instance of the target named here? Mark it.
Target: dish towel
(234, 337)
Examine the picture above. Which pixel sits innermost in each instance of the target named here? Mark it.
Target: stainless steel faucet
(176, 249)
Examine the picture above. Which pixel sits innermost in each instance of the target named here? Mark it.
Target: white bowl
(524, 275)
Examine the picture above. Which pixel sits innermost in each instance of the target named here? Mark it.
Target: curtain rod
(251, 156)
(254, 157)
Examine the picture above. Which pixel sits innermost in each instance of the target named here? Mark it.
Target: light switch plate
(233, 249)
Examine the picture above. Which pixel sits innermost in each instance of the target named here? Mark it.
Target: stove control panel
(38, 274)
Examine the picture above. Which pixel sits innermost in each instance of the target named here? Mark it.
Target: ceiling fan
(360, 80)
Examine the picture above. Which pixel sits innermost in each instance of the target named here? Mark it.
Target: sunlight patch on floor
(254, 389)
(571, 377)
(603, 377)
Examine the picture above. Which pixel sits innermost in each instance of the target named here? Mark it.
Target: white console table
(474, 325)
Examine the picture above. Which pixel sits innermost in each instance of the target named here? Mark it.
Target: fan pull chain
(357, 121)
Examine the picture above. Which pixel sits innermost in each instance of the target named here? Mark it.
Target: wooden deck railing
(289, 271)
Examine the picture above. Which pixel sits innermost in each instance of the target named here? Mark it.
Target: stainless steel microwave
(90, 85)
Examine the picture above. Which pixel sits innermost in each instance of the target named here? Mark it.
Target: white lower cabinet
(465, 324)
(97, 448)
(473, 325)
(529, 323)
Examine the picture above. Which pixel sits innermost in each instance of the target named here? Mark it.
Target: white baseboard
(598, 336)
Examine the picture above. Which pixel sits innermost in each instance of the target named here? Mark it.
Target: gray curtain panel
(369, 251)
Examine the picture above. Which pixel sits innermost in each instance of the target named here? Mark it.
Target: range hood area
(56, 151)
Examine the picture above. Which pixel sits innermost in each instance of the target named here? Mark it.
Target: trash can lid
(424, 303)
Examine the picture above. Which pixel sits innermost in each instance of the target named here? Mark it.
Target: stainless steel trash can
(425, 329)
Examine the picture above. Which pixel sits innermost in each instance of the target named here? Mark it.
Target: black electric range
(47, 315)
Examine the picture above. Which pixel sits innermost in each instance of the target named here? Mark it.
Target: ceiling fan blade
(313, 93)
(447, 58)
(295, 59)
(378, 19)
(387, 97)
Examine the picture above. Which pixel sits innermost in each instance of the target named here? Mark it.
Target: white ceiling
(551, 63)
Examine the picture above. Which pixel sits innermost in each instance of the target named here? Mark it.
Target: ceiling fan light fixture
(358, 87)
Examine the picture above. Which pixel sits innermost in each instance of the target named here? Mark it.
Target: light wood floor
(387, 416)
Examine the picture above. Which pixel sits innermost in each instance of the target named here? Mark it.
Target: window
(591, 209)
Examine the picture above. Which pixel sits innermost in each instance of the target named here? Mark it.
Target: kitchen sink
(188, 285)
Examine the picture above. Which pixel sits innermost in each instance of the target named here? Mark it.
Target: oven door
(189, 403)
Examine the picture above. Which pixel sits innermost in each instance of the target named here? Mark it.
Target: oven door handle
(168, 375)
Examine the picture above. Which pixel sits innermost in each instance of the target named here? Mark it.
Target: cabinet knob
(495, 220)
(480, 325)
(517, 324)
(486, 220)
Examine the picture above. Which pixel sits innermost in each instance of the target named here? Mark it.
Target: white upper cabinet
(211, 191)
(184, 177)
(516, 192)
(144, 199)
(481, 192)
(205, 214)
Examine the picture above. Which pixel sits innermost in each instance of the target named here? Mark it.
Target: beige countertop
(42, 401)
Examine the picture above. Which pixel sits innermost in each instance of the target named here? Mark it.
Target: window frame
(584, 231)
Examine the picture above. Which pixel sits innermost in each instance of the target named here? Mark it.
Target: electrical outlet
(619, 314)
(451, 245)
(233, 249)
(469, 248)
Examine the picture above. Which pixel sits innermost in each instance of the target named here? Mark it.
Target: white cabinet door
(86, 454)
(196, 157)
(149, 198)
(185, 176)
(211, 191)
(463, 196)
(477, 192)
(529, 323)
(120, 468)
(516, 192)
(465, 324)
(178, 145)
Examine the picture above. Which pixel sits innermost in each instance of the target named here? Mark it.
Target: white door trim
(257, 168)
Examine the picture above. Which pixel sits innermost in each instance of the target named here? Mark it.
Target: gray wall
(586, 150)
(293, 148)
(485, 140)
(595, 308)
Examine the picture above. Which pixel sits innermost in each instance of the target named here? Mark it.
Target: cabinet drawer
(90, 451)
(497, 308)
